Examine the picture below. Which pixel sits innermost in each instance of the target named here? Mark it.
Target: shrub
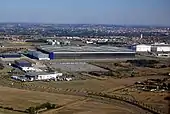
(48, 105)
(163, 66)
(34, 110)
(53, 106)
(31, 110)
(167, 98)
(8, 108)
(1, 66)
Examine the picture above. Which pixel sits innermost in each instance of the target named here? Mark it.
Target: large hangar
(86, 52)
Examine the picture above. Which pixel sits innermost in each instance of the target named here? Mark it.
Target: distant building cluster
(55, 42)
(161, 49)
(157, 47)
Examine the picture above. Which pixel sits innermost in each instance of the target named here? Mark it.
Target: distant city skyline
(117, 12)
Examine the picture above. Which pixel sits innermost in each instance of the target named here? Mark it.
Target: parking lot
(75, 66)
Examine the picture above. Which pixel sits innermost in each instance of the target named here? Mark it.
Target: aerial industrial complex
(109, 66)
(86, 52)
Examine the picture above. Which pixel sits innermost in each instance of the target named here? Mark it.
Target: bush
(47, 105)
(53, 106)
(116, 64)
(8, 108)
(34, 110)
(143, 62)
(163, 66)
(1, 66)
(167, 98)
(31, 110)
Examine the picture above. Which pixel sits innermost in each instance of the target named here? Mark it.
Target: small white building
(42, 75)
(143, 48)
(157, 47)
(164, 55)
(27, 69)
(89, 42)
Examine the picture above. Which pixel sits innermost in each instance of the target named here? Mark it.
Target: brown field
(4, 111)
(92, 106)
(22, 99)
(154, 99)
(123, 69)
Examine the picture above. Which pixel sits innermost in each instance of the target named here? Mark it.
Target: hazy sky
(136, 12)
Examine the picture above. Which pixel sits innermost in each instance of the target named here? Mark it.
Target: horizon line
(145, 25)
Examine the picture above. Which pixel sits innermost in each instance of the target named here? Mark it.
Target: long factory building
(86, 52)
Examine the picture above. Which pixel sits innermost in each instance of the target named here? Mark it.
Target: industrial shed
(86, 52)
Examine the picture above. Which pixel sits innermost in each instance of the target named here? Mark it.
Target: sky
(119, 12)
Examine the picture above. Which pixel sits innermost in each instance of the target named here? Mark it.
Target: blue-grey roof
(84, 49)
(22, 61)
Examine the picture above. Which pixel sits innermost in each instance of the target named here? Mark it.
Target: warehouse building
(86, 52)
(38, 55)
(25, 66)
